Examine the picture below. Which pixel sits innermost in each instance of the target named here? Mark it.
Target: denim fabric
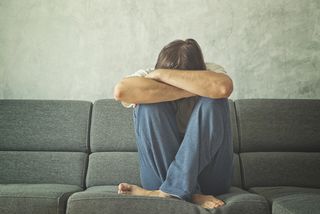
(200, 161)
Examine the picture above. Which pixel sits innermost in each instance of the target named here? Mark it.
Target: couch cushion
(42, 167)
(111, 168)
(104, 199)
(112, 127)
(35, 198)
(280, 169)
(297, 204)
(278, 125)
(291, 200)
(46, 125)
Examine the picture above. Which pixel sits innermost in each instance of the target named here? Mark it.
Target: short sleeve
(215, 67)
(141, 73)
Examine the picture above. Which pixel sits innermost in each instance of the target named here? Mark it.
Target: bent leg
(207, 139)
(215, 179)
(157, 140)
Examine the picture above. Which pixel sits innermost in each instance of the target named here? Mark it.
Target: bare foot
(131, 189)
(207, 201)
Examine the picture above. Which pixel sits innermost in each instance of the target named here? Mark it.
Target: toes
(212, 204)
(208, 205)
(124, 188)
(219, 203)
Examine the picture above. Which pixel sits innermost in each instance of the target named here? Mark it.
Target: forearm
(203, 83)
(145, 90)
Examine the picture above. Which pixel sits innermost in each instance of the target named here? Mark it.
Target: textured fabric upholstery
(104, 200)
(279, 142)
(297, 204)
(280, 152)
(35, 198)
(111, 168)
(291, 200)
(272, 193)
(42, 167)
(269, 125)
(46, 125)
(280, 168)
(43, 154)
(112, 127)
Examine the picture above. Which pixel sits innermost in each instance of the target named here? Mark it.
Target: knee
(155, 108)
(150, 107)
(212, 104)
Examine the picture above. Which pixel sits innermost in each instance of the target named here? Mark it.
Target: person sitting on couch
(182, 126)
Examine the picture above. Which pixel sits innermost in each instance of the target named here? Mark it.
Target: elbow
(224, 90)
(118, 92)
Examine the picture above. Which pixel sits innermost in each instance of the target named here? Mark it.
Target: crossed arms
(169, 84)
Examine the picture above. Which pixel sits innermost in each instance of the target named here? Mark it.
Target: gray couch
(59, 156)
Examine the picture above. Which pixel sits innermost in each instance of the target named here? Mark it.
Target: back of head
(183, 55)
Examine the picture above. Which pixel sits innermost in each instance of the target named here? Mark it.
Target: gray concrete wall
(74, 49)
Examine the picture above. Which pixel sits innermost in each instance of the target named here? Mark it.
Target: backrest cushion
(46, 125)
(261, 169)
(279, 141)
(44, 141)
(111, 168)
(279, 125)
(42, 167)
(112, 127)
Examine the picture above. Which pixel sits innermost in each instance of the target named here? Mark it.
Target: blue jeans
(199, 162)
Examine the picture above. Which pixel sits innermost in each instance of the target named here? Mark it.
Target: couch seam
(86, 161)
(243, 183)
(60, 196)
(176, 201)
(83, 169)
(44, 197)
(89, 127)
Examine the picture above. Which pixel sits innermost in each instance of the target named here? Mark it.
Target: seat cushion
(35, 198)
(104, 199)
(291, 200)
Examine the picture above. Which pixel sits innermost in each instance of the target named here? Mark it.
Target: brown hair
(183, 55)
